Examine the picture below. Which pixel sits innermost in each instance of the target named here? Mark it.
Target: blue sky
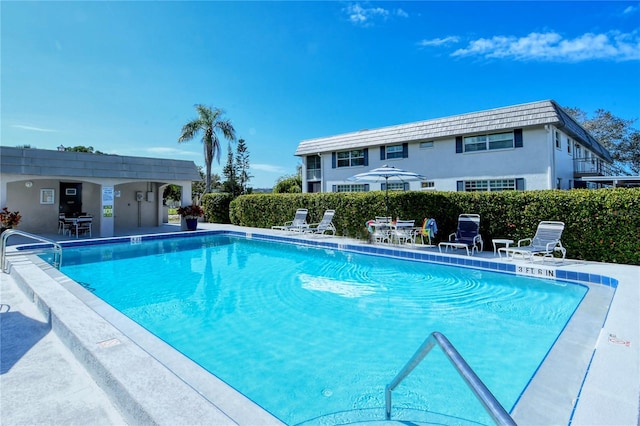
(124, 77)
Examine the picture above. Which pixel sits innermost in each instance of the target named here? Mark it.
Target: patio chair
(298, 224)
(380, 229)
(64, 226)
(467, 236)
(325, 225)
(403, 231)
(545, 242)
(82, 225)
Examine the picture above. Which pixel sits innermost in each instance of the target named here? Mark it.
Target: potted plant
(9, 219)
(191, 214)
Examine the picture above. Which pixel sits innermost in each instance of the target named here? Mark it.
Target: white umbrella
(387, 173)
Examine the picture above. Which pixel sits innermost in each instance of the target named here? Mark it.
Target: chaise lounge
(298, 224)
(325, 225)
(545, 242)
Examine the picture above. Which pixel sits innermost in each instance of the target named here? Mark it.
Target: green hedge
(601, 225)
(216, 207)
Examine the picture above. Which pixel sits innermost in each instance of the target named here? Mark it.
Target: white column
(107, 211)
(185, 201)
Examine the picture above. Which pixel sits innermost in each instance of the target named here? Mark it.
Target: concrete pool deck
(107, 387)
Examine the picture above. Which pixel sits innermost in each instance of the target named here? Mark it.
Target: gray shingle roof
(80, 164)
(506, 118)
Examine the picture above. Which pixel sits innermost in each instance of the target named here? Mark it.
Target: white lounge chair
(298, 224)
(325, 225)
(467, 236)
(545, 242)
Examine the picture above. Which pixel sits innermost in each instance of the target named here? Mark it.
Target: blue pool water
(307, 333)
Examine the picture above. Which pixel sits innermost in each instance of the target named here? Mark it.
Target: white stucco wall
(442, 165)
(43, 218)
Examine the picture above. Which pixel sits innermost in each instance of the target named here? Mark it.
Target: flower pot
(192, 224)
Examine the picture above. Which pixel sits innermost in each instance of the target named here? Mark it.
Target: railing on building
(314, 174)
(594, 167)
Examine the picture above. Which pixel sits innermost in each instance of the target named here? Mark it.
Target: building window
(424, 145)
(351, 187)
(427, 184)
(490, 185)
(569, 145)
(558, 139)
(395, 186)
(394, 151)
(487, 142)
(351, 158)
(313, 167)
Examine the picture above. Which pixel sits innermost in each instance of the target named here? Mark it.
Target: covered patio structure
(120, 192)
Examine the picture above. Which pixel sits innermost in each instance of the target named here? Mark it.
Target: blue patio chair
(467, 236)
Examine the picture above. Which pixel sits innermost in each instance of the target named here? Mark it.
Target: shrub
(601, 225)
(216, 206)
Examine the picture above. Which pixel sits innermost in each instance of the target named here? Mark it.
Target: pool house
(118, 192)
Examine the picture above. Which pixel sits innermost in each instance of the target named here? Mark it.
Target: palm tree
(209, 122)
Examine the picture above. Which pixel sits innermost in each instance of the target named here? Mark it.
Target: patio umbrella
(388, 174)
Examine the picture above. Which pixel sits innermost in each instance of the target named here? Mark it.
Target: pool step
(376, 416)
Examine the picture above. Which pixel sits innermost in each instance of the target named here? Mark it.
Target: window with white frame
(569, 145)
(351, 187)
(487, 142)
(429, 184)
(558, 139)
(351, 158)
(393, 151)
(490, 185)
(428, 144)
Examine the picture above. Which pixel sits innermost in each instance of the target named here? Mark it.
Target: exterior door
(70, 198)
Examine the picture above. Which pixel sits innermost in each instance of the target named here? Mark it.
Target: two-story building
(522, 147)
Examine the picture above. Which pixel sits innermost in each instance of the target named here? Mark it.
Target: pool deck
(64, 363)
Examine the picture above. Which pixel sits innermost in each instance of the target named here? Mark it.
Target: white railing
(57, 248)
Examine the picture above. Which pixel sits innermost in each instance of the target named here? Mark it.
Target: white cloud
(401, 13)
(32, 128)
(438, 41)
(365, 16)
(630, 10)
(268, 168)
(552, 46)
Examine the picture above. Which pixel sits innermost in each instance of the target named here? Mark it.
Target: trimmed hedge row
(216, 207)
(600, 225)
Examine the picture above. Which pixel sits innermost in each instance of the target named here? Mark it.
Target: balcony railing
(593, 167)
(314, 174)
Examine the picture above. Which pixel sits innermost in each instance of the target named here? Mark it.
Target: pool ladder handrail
(486, 398)
(57, 248)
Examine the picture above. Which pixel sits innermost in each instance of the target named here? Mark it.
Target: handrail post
(486, 398)
(57, 248)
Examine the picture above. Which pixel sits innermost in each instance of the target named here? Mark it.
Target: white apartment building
(523, 147)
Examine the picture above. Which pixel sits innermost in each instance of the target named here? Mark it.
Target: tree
(174, 192)
(242, 166)
(289, 184)
(209, 122)
(229, 171)
(615, 134)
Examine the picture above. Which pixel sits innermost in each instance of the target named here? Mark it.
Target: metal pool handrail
(57, 248)
(486, 398)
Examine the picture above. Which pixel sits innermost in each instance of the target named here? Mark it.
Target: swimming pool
(308, 333)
